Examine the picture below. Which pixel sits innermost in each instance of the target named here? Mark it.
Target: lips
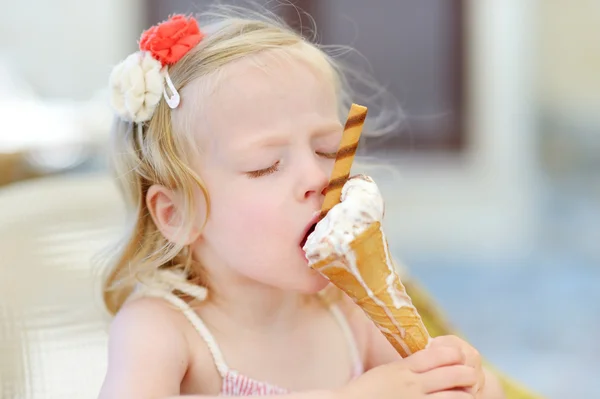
(310, 227)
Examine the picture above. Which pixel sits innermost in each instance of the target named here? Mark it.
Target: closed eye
(264, 172)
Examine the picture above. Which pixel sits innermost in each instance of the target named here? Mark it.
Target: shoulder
(146, 343)
(149, 327)
(374, 348)
(151, 318)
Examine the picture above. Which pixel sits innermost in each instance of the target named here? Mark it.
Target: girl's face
(271, 131)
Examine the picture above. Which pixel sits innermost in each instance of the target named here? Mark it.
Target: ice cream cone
(367, 275)
(349, 248)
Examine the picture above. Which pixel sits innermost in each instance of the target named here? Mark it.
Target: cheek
(250, 215)
(264, 216)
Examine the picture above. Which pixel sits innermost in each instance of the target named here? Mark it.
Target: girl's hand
(472, 359)
(438, 372)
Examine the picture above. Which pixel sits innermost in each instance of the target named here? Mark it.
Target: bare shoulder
(154, 319)
(373, 346)
(148, 354)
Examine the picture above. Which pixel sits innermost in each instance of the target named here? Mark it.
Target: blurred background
(493, 201)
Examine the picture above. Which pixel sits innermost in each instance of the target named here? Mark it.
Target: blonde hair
(159, 151)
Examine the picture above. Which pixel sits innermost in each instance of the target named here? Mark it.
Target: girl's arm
(147, 352)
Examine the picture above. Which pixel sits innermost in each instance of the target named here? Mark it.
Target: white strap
(167, 281)
(164, 287)
(348, 334)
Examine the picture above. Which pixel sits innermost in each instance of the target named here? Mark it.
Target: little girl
(224, 141)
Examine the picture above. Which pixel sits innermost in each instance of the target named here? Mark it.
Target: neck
(260, 308)
(252, 306)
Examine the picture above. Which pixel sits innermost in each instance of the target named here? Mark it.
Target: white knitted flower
(136, 86)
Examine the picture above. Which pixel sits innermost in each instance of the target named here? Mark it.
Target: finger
(451, 394)
(433, 357)
(483, 376)
(448, 377)
(451, 341)
(445, 340)
(472, 356)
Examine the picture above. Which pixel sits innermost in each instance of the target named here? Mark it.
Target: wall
(483, 204)
(66, 48)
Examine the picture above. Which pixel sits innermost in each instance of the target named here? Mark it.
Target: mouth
(309, 230)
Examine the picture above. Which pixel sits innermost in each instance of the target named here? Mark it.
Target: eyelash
(264, 172)
(275, 167)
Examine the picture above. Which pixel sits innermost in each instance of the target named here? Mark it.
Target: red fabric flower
(170, 40)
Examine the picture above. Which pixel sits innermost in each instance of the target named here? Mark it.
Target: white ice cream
(361, 205)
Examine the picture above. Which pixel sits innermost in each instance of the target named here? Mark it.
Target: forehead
(270, 91)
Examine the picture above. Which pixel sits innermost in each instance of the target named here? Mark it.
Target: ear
(166, 211)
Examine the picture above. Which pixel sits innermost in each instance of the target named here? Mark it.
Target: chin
(297, 277)
(314, 284)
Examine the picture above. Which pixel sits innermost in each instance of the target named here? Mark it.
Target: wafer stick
(345, 157)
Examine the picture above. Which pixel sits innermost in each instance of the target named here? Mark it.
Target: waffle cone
(370, 279)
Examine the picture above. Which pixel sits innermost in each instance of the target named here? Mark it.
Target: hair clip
(138, 82)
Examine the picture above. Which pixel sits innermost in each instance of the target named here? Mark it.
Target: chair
(52, 323)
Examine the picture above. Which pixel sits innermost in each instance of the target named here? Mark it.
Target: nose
(314, 180)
